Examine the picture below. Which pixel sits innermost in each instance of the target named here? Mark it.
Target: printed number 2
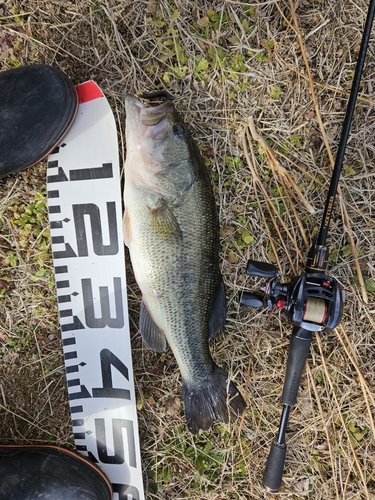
(92, 210)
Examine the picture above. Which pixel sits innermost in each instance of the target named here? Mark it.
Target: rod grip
(274, 468)
(298, 351)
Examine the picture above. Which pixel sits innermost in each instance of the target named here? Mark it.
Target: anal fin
(152, 335)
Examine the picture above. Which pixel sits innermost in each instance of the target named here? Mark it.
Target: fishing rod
(312, 302)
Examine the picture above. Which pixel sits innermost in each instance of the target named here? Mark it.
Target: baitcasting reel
(313, 301)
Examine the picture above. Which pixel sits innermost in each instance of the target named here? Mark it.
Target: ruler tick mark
(70, 355)
(79, 435)
(76, 409)
(69, 341)
(74, 382)
(53, 194)
(61, 269)
(66, 313)
(72, 369)
(54, 209)
(65, 254)
(76, 325)
(57, 239)
(64, 298)
(62, 284)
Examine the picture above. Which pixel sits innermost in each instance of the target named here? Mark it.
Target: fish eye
(179, 130)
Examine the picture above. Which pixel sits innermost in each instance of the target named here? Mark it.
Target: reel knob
(252, 299)
(261, 269)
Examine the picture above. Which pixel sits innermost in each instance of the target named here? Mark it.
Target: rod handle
(298, 351)
(274, 468)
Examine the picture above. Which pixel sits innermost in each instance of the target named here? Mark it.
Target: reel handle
(261, 269)
(252, 299)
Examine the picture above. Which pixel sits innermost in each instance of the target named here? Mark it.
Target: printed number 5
(118, 424)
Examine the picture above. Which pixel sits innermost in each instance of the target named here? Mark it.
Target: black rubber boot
(38, 104)
(49, 473)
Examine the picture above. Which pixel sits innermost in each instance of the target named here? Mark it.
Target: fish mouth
(154, 118)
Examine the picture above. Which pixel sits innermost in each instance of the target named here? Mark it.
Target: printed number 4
(108, 359)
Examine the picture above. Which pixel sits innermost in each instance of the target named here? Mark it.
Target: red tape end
(88, 91)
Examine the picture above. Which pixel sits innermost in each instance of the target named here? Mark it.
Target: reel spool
(316, 311)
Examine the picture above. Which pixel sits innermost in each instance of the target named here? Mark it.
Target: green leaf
(352, 427)
(232, 257)
(348, 170)
(261, 57)
(203, 21)
(246, 237)
(276, 92)
(202, 64)
(212, 14)
(271, 255)
(359, 436)
(346, 251)
(12, 259)
(369, 283)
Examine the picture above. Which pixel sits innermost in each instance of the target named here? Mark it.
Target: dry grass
(264, 90)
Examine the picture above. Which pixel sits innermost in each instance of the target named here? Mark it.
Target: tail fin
(210, 401)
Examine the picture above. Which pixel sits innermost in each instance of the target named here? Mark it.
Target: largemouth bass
(172, 232)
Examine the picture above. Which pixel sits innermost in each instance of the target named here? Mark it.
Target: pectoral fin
(152, 335)
(218, 311)
(164, 222)
(127, 229)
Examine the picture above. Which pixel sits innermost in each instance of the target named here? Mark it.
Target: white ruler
(85, 213)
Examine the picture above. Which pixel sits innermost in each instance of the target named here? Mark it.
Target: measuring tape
(85, 214)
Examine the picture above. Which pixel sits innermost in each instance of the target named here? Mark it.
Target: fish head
(159, 148)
